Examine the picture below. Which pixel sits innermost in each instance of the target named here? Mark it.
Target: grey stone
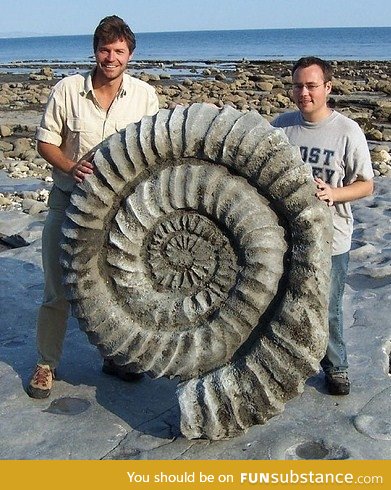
(5, 131)
(21, 145)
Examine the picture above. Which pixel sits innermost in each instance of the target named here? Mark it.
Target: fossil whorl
(197, 249)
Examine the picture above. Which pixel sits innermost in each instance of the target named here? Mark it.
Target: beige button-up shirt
(74, 121)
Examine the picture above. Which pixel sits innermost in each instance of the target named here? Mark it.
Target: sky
(69, 17)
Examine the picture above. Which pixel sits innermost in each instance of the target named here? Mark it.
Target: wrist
(71, 165)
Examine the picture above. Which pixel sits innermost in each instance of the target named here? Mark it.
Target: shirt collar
(125, 87)
(88, 82)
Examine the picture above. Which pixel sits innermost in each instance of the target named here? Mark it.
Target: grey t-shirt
(337, 150)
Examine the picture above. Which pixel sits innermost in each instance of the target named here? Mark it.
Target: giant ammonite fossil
(198, 250)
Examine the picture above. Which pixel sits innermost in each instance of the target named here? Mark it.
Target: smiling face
(310, 93)
(111, 60)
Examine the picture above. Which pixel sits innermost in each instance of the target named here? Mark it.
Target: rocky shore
(361, 90)
(107, 419)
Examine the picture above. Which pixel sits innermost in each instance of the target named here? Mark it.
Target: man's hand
(325, 191)
(56, 157)
(81, 170)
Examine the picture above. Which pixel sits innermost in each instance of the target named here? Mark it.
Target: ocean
(371, 43)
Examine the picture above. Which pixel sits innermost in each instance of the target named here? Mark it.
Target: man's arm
(55, 156)
(350, 192)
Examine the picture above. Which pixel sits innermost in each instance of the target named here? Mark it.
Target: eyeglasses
(309, 86)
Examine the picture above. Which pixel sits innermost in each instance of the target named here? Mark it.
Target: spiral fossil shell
(198, 250)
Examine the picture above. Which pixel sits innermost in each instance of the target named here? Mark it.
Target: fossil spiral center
(179, 250)
(185, 251)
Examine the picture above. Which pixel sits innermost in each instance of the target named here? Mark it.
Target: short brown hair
(112, 28)
(312, 60)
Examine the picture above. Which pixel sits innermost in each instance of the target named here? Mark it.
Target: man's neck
(105, 85)
(317, 116)
(106, 90)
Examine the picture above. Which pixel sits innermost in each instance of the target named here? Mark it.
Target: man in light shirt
(337, 150)
(81, 112)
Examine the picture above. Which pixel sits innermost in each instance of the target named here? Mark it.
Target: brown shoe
(41, 383)
(121, 372)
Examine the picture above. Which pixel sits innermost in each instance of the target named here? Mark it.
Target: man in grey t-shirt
(337, 150)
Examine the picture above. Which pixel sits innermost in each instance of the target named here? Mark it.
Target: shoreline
(343, 69)
(361, 90)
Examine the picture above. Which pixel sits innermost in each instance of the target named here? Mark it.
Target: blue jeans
(335, 360)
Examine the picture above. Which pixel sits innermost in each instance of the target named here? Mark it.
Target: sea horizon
(334, 43)
(25, 35)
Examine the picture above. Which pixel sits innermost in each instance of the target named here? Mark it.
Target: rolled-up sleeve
(52, 123)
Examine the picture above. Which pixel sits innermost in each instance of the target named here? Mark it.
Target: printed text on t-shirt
(318, 156)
